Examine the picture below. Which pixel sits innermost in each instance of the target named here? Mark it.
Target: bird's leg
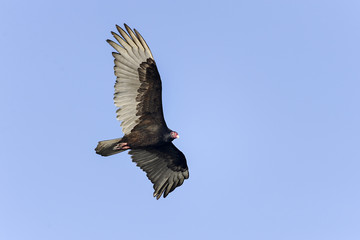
(121, 146)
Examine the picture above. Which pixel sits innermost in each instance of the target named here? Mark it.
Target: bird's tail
(106, 147)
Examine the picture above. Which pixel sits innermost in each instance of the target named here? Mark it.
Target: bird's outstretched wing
(165, 166)
(138, 83)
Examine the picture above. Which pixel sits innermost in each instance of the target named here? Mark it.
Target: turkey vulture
(138, 99)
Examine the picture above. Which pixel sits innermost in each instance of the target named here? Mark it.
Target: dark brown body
(147, 134)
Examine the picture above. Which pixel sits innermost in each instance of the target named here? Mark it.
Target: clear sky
(264, 94)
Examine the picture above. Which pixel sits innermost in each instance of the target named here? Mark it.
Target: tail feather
(106, 147)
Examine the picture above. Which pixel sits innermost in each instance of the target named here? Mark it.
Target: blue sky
(264, 94)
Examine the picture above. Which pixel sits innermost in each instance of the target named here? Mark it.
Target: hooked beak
(177, 136)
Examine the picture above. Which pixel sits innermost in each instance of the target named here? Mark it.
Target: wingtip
(186, 174)
(136, 32)
(156, 195)
(119, 28)
(128, 29)
(126, 26)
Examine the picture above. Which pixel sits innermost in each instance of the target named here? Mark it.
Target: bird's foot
(121, 146)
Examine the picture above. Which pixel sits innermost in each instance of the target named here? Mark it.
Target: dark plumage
(138, 98)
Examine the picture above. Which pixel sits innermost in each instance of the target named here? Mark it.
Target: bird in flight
(139, 102)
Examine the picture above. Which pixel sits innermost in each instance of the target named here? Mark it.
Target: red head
(174, 135)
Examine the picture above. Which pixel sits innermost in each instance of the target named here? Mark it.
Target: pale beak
(177, 136)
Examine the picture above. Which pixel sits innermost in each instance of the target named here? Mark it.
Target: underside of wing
(137, 78)
(165, 166)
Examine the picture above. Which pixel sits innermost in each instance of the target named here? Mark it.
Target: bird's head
(174, 135)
